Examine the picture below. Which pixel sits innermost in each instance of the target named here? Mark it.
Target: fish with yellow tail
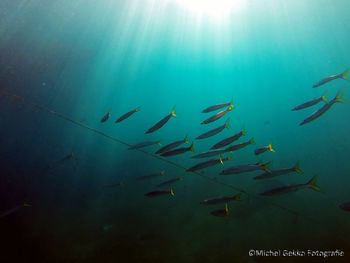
(221, 200)
(178, 151)
(158, 193)
(238, 169)
(228, 140)
(217, 107)
(221, 212)
(127, 115)
(311, 103)
(214, 131)
(273, 173)
(268, 148)
(206, 164)
(162, 122)
(344, 75)
(337, 99)
(218, 115)
(311, 184)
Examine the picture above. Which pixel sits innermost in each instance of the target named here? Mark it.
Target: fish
(218, 115)
(157, 193)
(214, 131)
(246, 168)
(143, 144)
(162, 122)
(13, 210)
(106, 117)
(169, 182)
(172, 145)
(228, 140)
(344, 75)
(270, 174)
(221, 199)
(127, 115)
(208, 154)
(217, 107)
(318, 113)
(264, 149)
(114, 185)
(310, 103)
(220, 212)
(178, 151)
(345, 206)
(206, 164)
(150, 176)
(312, 184)
(239, 146)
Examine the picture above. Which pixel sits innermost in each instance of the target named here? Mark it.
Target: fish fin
(226, 208)
(230, 157)
(312, 183)
(172, 192)
(324, 96)
(270, 148)
(173, 111)
(252, 141)
(265, 166)
(192, 148)
(345, 74)
(186, 139)
(221, 161)
(238, 197)
(159, 143)
(340, 97)
(227, 124)
(297, 168)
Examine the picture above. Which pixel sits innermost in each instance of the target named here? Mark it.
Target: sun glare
(213, 8)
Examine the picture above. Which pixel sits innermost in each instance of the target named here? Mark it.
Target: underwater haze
(69, 186)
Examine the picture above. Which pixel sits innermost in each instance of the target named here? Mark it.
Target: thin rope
(214, 180)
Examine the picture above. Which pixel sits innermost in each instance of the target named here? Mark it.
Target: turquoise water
(85, 58)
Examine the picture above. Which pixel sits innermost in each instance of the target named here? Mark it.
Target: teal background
(84, 58)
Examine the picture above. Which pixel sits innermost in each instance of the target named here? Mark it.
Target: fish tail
(252, 141)
(226, 208)
(324, 97)
(313, 184)
(265, 166)
(297, 168)
(230, 107)
(191, 148)
(172, 192)
(230, 157)
(243, 131)
(137, 109)
(186, 140)
(159, 143)
(227, 124)
(221, 161)
(345, 74)
(340, 97)
(173, 111)
(237, 197)
(25, 204)
(270, 148)
(162, 172)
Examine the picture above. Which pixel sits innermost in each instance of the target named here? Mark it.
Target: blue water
(85, 58)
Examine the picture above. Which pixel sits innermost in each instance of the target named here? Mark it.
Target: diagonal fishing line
(25, 101)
